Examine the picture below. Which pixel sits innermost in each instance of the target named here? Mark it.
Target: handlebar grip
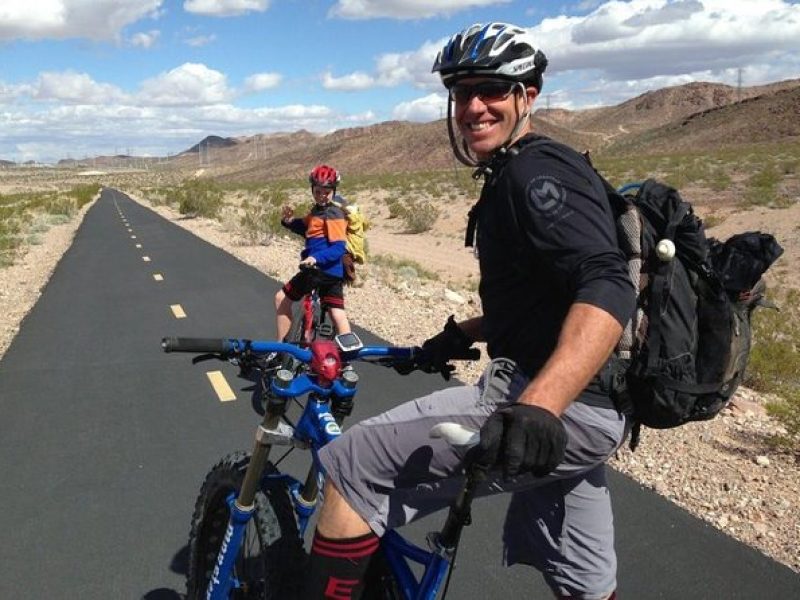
(189, 344)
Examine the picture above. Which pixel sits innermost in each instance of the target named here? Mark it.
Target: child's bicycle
(246, 538)
(311, 320)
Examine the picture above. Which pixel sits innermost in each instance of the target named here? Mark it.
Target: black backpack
(684, 352)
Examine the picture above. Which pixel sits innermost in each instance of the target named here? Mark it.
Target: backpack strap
(490, 172)
(658, 283)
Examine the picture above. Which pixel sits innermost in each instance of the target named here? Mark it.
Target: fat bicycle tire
(271, 549)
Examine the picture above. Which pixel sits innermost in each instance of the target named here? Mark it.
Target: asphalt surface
(105, 440)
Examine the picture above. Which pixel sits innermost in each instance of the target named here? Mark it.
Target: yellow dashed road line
(221, 387)
(177, 310)
(158, 277)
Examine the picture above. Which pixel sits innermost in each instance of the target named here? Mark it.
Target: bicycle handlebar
(225, 348)
(231, 347)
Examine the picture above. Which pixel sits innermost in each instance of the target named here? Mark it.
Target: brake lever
(209, 356)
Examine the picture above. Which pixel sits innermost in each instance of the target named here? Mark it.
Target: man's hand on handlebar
(521, 438)
(421, 362)
(446, 345)
(436, 353)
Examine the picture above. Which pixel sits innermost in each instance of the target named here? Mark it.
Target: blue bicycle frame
(315, 428)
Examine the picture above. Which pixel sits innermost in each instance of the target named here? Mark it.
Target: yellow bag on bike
(357, 225)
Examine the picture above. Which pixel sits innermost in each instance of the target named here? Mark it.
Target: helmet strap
(521, 118)
(462, 151)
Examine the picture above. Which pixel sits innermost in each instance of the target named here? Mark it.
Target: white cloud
(61, 19)
(144, 39)
(646, 38)
(348, 83)
(200, 40)
(225, 8)
(8, 93)
(404, 9)
(190, 84)
(638, 40)
(393, 69)
(52, 133)
(428, 108)
(262, 81)
(73, 88)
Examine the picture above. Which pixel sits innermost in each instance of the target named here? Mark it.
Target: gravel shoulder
(724, 471)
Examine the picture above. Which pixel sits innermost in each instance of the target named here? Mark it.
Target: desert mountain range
(694, 116)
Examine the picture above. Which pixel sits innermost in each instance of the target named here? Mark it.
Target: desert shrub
(57, 219)
(276, 197)
(719, 180)
(199, 198)
(60, 205)
(402, 266)
(762, 187)
(397, 209)
(9, 240)
(774, 365)
(260, 220)
(712, 221)
(83, 194)
(420, 217)
(790, 166)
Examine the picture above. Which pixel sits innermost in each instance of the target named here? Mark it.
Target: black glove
(522, 438)
(422, 363)
(449, 343)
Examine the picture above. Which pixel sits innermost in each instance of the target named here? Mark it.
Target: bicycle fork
(271, 430)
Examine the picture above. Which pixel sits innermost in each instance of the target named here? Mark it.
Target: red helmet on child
(324, 176)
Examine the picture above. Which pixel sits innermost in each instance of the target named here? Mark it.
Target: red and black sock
(338, 567)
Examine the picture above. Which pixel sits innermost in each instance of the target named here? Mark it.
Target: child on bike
(324, 228)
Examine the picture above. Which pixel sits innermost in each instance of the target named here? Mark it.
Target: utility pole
(739, 84)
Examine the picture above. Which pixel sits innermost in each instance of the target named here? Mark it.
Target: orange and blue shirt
(325, 230)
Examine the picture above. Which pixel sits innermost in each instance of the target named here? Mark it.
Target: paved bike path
(104, 440)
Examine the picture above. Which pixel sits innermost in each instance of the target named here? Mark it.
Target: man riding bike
(324, 228)
(554, 305)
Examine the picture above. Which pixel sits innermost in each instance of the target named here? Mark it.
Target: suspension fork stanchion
(243, 505)
(276, 407)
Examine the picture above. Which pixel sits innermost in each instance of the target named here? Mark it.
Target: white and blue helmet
(491, 50)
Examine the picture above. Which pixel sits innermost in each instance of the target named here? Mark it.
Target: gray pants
(390, 472)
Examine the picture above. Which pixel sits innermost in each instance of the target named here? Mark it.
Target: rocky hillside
(767, 118)
(695, 115)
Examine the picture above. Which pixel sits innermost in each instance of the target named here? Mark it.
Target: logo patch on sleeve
(548, 198)
(547, 195)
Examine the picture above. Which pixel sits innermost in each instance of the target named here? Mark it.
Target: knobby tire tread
(279, 549)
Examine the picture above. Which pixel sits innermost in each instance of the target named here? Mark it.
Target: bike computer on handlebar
(348, 342)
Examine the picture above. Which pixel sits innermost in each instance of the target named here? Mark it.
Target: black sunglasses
(486, 91)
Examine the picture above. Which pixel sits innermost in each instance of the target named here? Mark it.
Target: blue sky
(152, 77)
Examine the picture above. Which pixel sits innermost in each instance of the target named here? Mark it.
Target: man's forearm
(587, 338)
